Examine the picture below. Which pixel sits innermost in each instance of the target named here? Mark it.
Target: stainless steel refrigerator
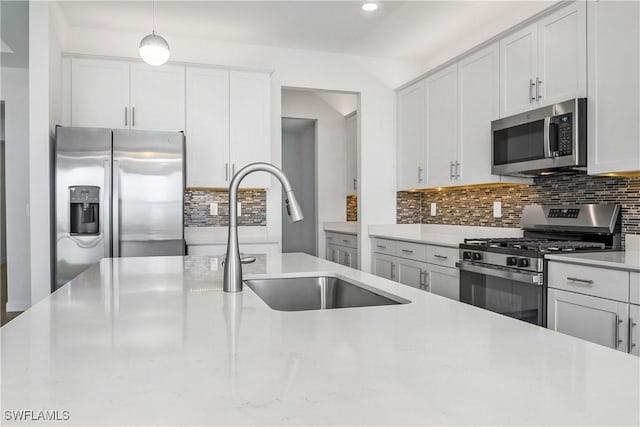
(118, 193)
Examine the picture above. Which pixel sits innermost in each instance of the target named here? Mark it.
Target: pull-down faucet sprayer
(232, 265)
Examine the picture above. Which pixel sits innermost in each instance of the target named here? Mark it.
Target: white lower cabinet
(594, 319)
(342, 248)
(594, 303)
(412, 273)
(427, 267)
(444, 281)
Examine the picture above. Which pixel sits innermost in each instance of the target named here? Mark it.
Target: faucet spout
(233, 265)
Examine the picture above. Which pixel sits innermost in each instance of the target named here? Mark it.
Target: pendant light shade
(154, 49)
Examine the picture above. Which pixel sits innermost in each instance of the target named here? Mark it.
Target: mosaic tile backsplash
(196, 207)
(474, 206)
(352, 208)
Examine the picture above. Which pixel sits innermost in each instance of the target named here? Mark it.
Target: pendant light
(154, 49)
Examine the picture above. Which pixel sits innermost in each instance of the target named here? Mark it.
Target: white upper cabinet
(123, 95)
(442, 127)
(562, 50)
(411, 137)
(545, 62)
(352, 153)
(613, 107)
(478, 80)
(207, 127)
(250, 124)
(157, 97)
(518, 52)
(227, 126)
(99, 93)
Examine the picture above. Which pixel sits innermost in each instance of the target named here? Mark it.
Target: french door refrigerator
(118, 193)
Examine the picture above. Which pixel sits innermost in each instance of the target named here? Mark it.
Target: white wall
(15, 92)
(375, 79)
(45, 112)
(331, 155)
(299, 163)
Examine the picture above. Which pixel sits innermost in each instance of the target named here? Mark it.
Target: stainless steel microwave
(545, 140)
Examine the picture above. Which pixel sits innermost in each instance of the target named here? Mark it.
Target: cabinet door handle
(226, 171)
(578, 280)
(531, 85)
(440, 256)
(392, 268)
(133, 116)
(126, 116)
(407, 251)
(451, 173)
(538, 83)
(355, 184)
(618, 341)
(457, 169)
(233, 170)
(422, 280)
(632, 324)
(420, 170)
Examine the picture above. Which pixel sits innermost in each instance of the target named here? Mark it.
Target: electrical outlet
(433, 209)
(239, 209)
(213, 209)
(497, 209)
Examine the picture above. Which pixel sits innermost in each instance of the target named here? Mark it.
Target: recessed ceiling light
(369, 7)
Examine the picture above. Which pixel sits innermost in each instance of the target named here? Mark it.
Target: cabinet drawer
(441, 255)
(600, 282)
(634, 289)
(411, 250)
(383, 246)
(348, 240)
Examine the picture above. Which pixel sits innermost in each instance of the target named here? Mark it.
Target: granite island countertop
(155, 341)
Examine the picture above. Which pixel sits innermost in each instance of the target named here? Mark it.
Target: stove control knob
(523, 262)
(512, 260)
(477, 256)
(466, 255)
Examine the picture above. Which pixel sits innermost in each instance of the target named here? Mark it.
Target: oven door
(516, 294)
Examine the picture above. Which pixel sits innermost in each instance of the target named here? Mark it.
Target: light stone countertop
(621, 260)
(155, 341)
(350, 227)
(195, 236)
(436, 234)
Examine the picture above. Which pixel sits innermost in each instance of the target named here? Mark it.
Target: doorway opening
(299, 164)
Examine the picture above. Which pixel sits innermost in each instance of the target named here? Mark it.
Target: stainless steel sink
(318, 293)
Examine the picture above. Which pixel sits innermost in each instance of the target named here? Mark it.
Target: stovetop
(528, 244)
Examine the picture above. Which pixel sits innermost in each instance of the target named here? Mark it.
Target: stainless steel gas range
(507, 275)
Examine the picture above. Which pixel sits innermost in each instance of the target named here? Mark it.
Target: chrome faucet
(233, 265)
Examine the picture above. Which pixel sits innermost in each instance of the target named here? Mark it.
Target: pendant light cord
(154, 16)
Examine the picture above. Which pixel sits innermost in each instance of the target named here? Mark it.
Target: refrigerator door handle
(115, 215)
(106, 210)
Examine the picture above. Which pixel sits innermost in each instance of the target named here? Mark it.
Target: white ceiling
(406, 30)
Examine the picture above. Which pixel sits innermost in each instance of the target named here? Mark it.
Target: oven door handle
(529, 278)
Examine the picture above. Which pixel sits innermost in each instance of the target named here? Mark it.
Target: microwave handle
(545, 131)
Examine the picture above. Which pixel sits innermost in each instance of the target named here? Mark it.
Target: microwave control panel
(565, 128)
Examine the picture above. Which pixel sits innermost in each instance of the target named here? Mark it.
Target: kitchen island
(155, 341)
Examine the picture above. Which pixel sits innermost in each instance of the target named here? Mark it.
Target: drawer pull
(381, 246)
(345, 240)
(575, 279)
(329, 238)
(407, 251)
(440, 256)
